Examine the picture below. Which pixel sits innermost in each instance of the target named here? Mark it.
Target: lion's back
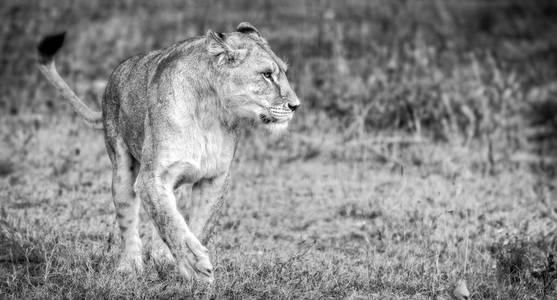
(130, 80)
(126, 97)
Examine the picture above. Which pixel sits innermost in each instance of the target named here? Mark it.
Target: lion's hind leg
(127, 204)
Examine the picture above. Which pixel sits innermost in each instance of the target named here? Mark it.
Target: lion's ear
(224, 53)
(216, 44)
(248, 29)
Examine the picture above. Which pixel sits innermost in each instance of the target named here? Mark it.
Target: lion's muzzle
(281, 113)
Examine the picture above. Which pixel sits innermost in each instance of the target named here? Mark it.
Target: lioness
(172, 117)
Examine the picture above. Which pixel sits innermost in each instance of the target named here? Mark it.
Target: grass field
(423, 153)
(349, 221)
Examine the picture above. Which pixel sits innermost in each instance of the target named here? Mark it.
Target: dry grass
(423, 154)
(295, 225)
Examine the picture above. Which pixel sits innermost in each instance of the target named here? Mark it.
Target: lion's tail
(47, 49)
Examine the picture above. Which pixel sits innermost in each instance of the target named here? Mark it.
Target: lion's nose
(293, 107)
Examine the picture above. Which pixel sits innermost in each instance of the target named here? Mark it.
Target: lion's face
(254, 81)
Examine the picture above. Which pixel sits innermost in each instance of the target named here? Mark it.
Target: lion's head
(252, 79)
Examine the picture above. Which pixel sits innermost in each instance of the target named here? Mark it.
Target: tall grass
(453, 71)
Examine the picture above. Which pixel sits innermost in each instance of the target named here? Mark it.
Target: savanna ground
(423, 153)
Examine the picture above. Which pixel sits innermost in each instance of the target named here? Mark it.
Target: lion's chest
(217, 152)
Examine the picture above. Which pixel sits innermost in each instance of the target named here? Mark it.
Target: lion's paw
(130, 265)
(204, 270)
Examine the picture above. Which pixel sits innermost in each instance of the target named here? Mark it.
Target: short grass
(364, 219)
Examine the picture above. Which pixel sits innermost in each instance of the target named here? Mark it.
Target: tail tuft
(49, 46)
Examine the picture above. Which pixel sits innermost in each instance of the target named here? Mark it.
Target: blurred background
(452, 71)
(424, 152)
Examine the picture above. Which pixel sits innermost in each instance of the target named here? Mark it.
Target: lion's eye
(267, 74)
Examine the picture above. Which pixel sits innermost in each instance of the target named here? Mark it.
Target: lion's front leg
(207, 200)
(156, 189)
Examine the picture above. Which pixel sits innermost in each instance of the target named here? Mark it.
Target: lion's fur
(172, 116)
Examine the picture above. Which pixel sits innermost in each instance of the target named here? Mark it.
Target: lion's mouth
(277, 114)
(266, 119)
